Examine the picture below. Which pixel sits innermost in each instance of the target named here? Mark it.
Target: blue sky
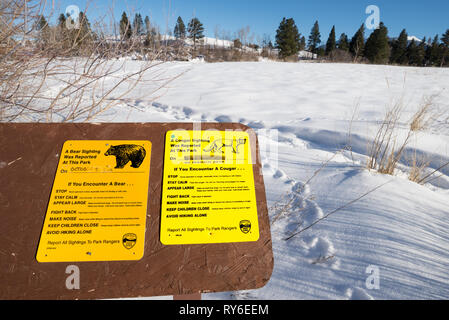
(420, 18)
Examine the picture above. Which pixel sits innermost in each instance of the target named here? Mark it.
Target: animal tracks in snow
(296, 210)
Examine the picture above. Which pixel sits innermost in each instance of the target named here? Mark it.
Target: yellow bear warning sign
(98, 203)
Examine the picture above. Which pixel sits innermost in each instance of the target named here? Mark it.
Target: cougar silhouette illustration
(219, 144)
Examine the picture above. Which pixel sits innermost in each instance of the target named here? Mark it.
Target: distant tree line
(62, 37)
(194, 30)
(75, 34)
(378, 48)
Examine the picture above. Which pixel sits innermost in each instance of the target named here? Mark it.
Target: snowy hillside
(401, 228)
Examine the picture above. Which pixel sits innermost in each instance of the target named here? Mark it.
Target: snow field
(302, 113)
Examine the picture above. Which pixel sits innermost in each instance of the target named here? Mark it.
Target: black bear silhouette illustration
(125, 153)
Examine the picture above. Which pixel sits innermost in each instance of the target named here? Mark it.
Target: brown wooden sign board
(29, 155)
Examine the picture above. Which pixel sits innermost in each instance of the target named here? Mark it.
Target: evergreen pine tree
(321, 52)
(44, 30)
(445, 38)
(41, 23)
(61, 21)
(84, 36)
(421, 53)
(428, 52)
(75, 39)
(357, 44)
(399, 48)
(445, 48)
(61, 36)
(125, 27)
(314, 38)
(435, 52)
(138, 25)
(331, 44)
(147, 25)
(84, 25)
(343, 43)
(195, 29)
(412, 53)
(180, 29)
(371, 46)
(148, 34)
(302, 43)
(377, 48)
(287, 38)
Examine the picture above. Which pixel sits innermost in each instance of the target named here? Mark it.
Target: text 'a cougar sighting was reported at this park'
(208, 192)
(98, 204)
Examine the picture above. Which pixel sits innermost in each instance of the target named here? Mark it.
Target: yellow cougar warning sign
(208, 193)
(98, 203)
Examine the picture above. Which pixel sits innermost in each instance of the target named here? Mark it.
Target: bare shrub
(269, 53)
(292, 58)
(387, 149)
(52, 73)
(228, 54)
(339, 55)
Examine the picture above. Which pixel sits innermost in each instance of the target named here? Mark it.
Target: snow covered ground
(306, 111)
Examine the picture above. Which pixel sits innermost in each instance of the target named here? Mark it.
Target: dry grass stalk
(425, 116)
(426, 179)
(382, 154)
(417, 167)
